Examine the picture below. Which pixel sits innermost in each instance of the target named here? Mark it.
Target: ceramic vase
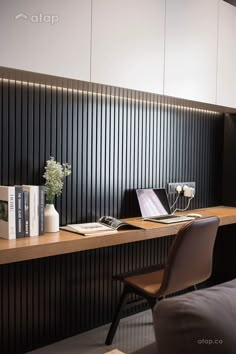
(51, 218)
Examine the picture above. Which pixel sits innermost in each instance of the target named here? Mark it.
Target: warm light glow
(162, 104)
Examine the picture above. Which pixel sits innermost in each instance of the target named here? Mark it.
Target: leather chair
(189, 263)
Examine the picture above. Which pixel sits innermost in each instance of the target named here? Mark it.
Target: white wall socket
(188, 191)
(172, 186)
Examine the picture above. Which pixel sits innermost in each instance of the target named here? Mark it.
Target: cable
(184, 208)
(176, 200)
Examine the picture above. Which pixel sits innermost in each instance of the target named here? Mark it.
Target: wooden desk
(65, 242)
(45, 299)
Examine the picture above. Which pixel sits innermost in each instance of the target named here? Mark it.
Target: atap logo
(38, 18)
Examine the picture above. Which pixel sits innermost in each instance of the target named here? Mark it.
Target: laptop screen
(153, 202)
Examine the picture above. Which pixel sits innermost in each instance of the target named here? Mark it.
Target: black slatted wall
(52, 298)
(114, 144)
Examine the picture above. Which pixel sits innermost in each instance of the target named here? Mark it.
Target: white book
(107, 224)
(88, 228)
(33, 209)
(7, 212)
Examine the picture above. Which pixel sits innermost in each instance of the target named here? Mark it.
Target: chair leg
(152, 302)
(117, 316)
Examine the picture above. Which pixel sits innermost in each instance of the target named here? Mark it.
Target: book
(26, 212)
(7, 212)
(117, 224)
(41, 209)
(90, 228)
(106, 224)
(19, 208)
(33, 209)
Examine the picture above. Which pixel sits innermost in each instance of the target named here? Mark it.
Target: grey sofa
(200, 322)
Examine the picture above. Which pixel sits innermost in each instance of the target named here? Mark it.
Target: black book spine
(26, 212)
(19, 209)
(41, 210)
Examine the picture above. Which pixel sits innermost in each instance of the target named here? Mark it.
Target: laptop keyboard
(163, 217)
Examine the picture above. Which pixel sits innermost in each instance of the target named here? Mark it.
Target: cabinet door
(128, 43)
(191, 49)
(51, 37)
(226, 91)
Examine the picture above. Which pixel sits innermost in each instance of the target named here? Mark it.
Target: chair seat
(149, 283)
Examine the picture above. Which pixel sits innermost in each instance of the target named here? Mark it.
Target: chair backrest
(190, 259)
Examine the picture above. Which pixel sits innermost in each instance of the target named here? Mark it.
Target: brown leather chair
(189, 263)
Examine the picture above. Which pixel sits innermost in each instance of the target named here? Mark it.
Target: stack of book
(21, 211)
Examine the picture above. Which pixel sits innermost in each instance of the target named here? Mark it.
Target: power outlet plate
(172, 186)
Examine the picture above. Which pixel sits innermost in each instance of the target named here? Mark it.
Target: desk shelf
(65, 242)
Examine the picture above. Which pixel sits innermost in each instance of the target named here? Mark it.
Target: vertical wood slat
(115, 145)
(11, 131)
(57, 297)
(5, 133)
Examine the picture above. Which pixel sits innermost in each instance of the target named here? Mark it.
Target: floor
(134, 332)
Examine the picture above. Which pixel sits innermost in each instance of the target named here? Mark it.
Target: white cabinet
(128, 43)
(51, 37)
(191, 49)
(226, 81)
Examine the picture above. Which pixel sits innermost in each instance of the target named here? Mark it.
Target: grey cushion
(200, 322)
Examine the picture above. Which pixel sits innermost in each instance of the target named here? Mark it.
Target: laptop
(154, 206)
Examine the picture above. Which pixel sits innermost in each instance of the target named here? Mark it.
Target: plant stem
(50, 199)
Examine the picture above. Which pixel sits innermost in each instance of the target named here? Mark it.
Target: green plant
(54, 175)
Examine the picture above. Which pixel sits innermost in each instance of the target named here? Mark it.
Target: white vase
(51, 218)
